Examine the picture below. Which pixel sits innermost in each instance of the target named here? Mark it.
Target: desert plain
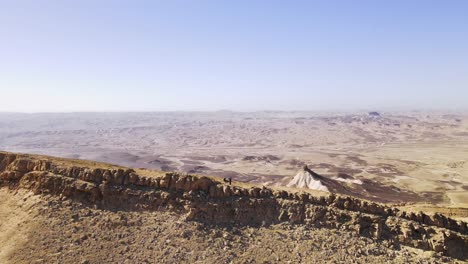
(366, 187)
(418, 158)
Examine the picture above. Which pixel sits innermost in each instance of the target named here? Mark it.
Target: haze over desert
(386, 154)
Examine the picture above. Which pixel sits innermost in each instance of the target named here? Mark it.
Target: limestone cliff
(210, 201)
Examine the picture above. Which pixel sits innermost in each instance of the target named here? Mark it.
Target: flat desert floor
(417, 159)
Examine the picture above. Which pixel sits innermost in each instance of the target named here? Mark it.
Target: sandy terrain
(415, 157)
(15, 223)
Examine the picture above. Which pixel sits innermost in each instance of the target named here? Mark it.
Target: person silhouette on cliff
(228, 180)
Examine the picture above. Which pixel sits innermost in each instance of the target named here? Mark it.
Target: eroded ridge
(213, 202)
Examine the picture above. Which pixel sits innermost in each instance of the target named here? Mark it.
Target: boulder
(203, 183)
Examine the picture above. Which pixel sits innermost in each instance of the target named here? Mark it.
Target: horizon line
(383, 109)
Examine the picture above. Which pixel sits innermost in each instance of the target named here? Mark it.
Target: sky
(243, 55)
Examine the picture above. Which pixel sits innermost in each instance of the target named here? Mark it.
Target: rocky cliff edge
(211, 201)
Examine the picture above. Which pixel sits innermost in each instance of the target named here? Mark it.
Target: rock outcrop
(306, 178)
(213, 202)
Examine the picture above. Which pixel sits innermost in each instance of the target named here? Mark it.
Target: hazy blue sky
(239, 55)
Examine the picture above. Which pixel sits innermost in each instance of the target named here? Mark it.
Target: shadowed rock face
(211, 202)
(306, 178)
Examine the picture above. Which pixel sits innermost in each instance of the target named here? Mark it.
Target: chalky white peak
(304, 179)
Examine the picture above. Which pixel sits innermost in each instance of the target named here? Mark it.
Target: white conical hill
(305, 179)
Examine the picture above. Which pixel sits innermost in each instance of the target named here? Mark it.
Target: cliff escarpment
(212, 202)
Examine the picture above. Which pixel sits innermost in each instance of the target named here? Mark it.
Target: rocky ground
(63, 231)
(70, 211)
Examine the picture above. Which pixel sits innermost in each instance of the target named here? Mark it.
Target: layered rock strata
(213, 202)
